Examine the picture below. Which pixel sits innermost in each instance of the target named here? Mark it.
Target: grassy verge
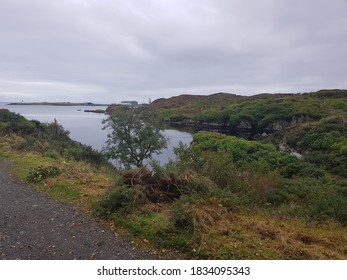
(78, 182)
(225, 235)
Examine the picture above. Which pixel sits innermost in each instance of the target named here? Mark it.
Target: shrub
(198, 185)
(120, 199)
(317, 199)
(15, 123)
(290, 191)
(221, 170)
(333, 162)
(332, 206)
(159, 186)
(343, 150)
(309, 170)
(51, 154)
(194, 214)
(291, 169)
(41, 173)
(234, 201)
(30, 143)
(211, 116)
(240, 152)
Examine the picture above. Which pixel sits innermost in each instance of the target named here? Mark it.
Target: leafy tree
(57, 131)
(134, 136)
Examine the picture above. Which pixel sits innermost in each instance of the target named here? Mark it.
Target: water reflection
(87, 127)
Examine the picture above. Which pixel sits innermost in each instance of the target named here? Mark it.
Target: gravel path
(33, 226)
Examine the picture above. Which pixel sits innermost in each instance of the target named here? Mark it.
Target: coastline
(57, 104)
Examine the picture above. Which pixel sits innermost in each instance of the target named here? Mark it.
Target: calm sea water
(87, 127)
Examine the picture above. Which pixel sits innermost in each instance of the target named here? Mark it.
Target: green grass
(78, 182)
(256, 235)
(64, 191)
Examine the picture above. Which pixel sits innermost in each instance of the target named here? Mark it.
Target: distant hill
(189, 106)
(186, 99)
(329, 93)
(220, 98)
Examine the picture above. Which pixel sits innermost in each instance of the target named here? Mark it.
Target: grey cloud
(112, 50)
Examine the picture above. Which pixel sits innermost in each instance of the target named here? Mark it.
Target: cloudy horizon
(109, 51)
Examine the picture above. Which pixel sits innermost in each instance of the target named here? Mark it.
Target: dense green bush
(321, 140)
(15, 123)
(41, 173)
(260, 112)
(343, 150)
(119, 199)
(330, 93)
(213, 116)
(323, 144)
(317, 199)
(331, 207)
(241, 152)
(291, 191)
(256, 171)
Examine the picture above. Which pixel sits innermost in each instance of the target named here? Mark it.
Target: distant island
(58, 103)
(98, 111)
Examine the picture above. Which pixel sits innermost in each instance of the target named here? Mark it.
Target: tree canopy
(133, 136)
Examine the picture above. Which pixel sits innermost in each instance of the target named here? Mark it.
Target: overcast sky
(114, 50)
